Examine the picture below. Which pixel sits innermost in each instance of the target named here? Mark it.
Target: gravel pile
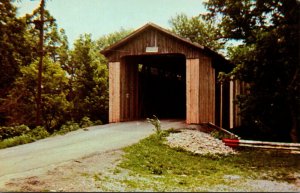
(198, 143)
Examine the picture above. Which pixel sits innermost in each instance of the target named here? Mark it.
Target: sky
(101, 17)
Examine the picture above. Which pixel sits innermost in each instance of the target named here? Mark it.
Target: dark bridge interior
(162, 86)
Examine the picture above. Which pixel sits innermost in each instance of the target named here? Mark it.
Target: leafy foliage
(108, 40)
(74, 81)
(17, 140)
(22, 135)
(8, 132)
(88, 81)
(12, 44)
(197, 30)
(67, 127)
(21, 101)
(86, 122)
(268, 60)
(38, 133)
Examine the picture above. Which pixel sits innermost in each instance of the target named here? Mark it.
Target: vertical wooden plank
(212, 89)
(114, 91)
(195, 90)
(231, 98)
(125, 96)
(135, 92)
(238, 91)
(111, 91)
(122, 85)
(201, 80)
(117, 92)
(206, 91)
(188, 91)
(221, 105)
(192, 90)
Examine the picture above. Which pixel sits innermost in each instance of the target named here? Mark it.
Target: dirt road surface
(38, 157)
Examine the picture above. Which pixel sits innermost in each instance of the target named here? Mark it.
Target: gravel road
(37, 157)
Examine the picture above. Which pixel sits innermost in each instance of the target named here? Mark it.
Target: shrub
(98, 122)
(9, 132)
(39, 133)
(18, 140)
(67, 127)
(86, 122)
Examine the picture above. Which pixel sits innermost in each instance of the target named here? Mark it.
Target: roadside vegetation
(18, 135)
(151, 165)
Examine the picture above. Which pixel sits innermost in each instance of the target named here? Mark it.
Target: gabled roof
(165, 31)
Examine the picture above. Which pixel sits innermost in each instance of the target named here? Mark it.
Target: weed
(97, 177)
(156, 123)
(116, 171)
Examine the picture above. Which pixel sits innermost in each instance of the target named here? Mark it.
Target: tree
(21, 99)
(112, 38)
(197, 30)
(12, 45)
(17, 105)
(268, 60)
(51, 39)
(88, 73)
(89, 80)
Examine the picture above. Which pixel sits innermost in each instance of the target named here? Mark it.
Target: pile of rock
(198, 143)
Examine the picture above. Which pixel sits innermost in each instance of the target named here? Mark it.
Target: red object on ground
(231, 142)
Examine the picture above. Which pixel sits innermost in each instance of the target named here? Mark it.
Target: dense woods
(75, 80)
(267, 59)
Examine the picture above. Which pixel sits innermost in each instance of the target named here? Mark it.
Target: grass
(20, 135)
(167, 169)
(18, 140)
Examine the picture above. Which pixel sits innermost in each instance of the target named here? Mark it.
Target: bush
(18, 140)
(86, 122)
(39, 133)
(98, 122)
(9, 132)
(67, 127)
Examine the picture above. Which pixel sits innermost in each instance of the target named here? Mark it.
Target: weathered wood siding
(203, 95)
(114, 91)
(192, 91)
(200, 91)
(166, 44)
(236, 88)
(129, 91)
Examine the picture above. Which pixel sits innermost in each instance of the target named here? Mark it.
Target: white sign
(151, 49)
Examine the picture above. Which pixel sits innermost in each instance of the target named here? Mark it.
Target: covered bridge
(152, 71)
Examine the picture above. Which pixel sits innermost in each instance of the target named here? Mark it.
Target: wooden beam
(114, 91)
(192, 91)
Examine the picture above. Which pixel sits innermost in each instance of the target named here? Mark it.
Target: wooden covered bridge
(152, 71)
